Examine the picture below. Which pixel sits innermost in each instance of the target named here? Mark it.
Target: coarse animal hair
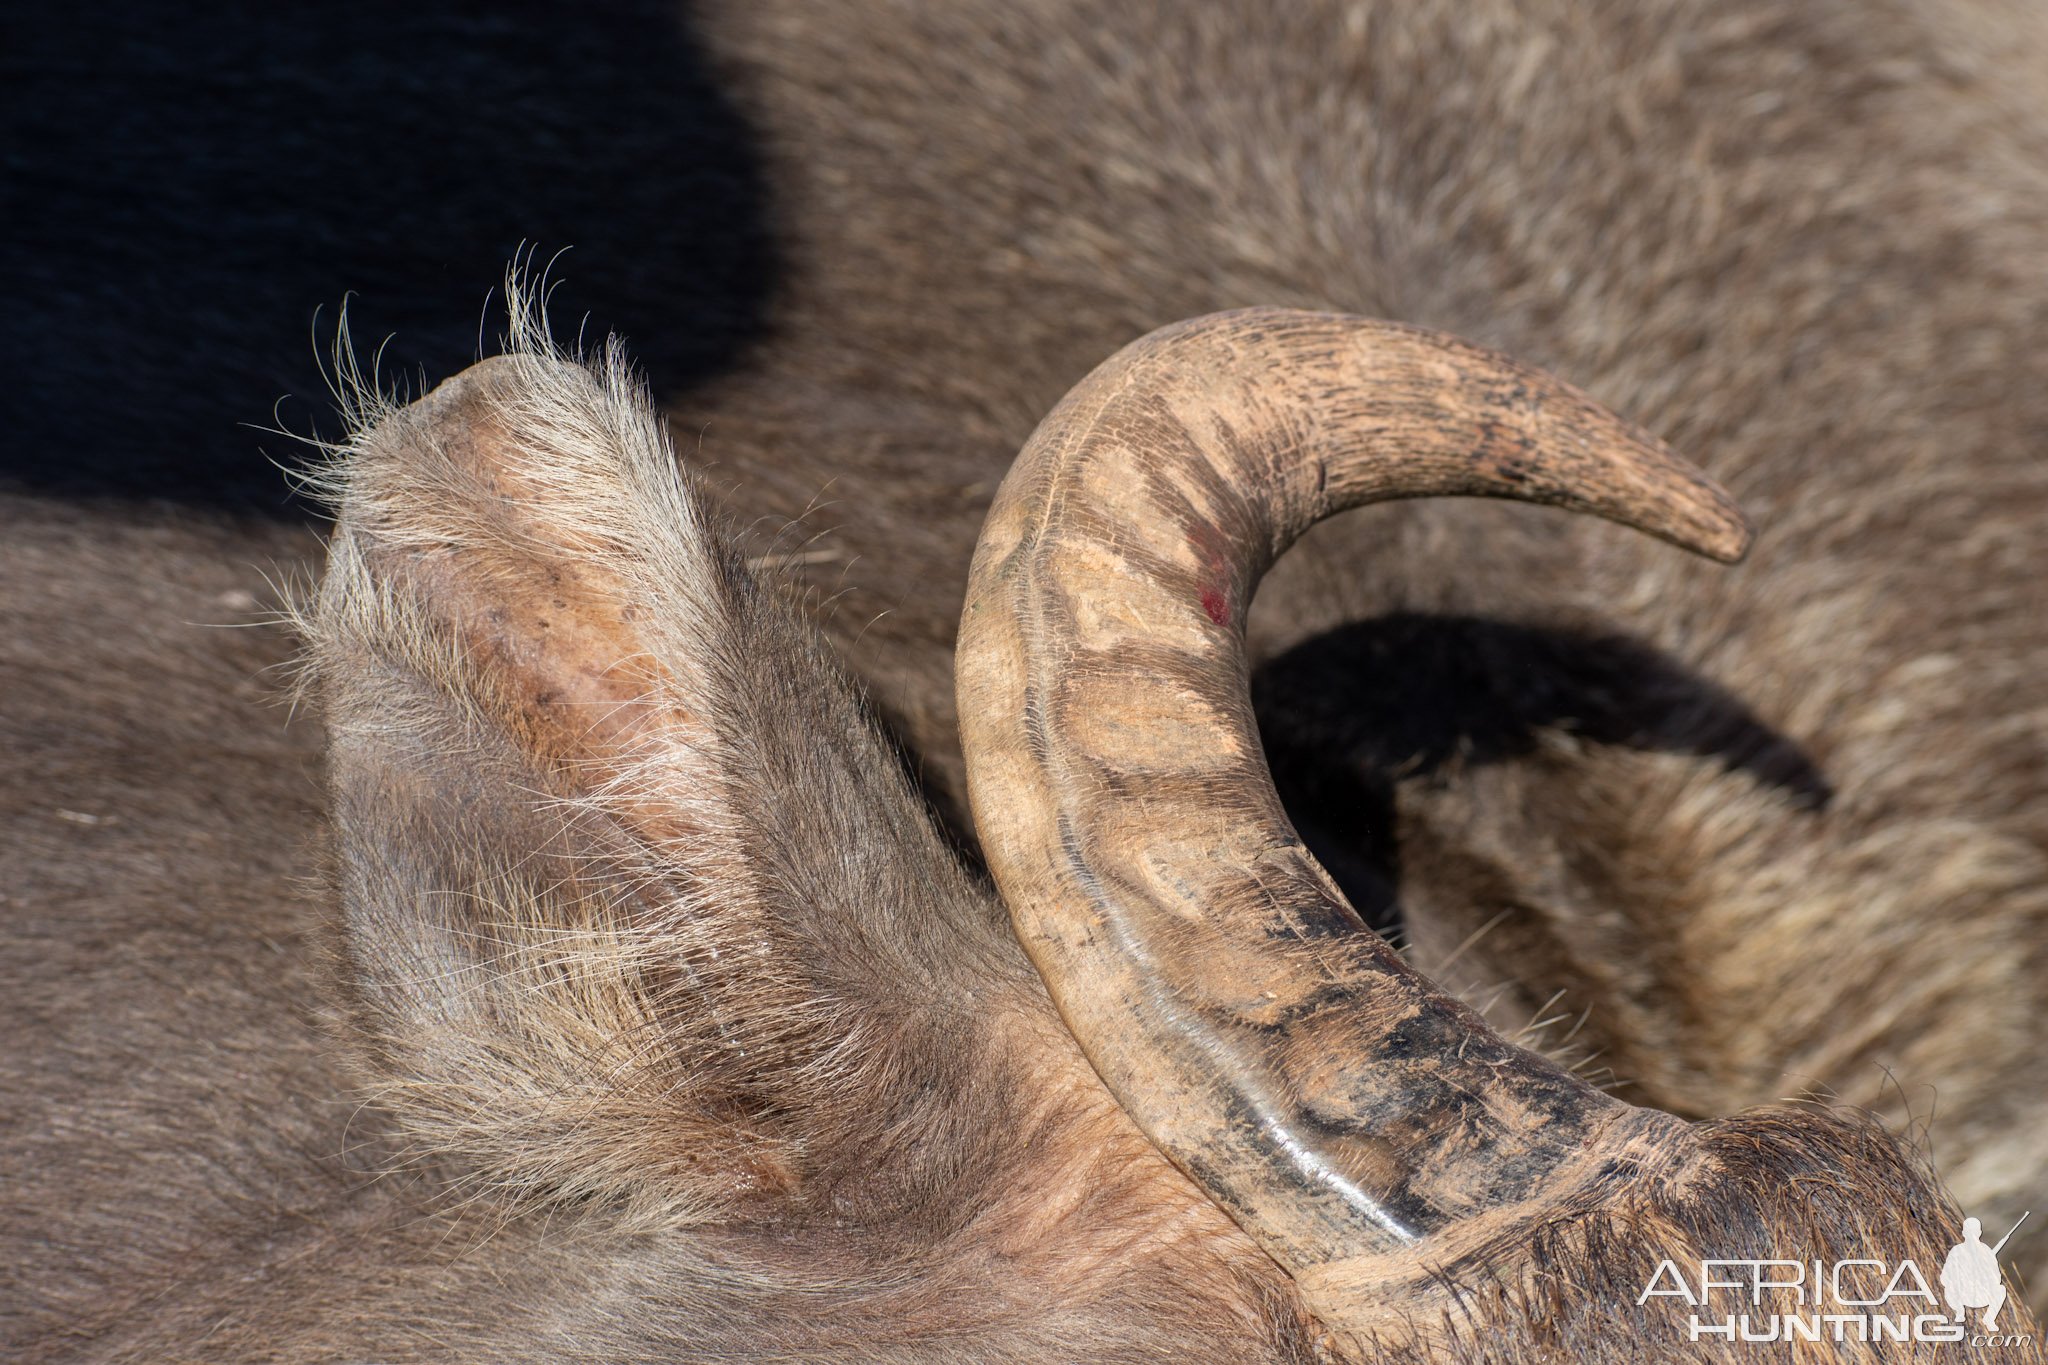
(1594, 786)
(649, 1002)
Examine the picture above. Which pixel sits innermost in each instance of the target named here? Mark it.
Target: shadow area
(1349, 714)
(182, 187)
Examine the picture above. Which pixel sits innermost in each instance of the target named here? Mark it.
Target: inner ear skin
(865, 1071)
(552, 630)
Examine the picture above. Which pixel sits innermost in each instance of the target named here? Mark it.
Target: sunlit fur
(656, 1020)
(711, 981)
(1802, 243)
(1741, 833)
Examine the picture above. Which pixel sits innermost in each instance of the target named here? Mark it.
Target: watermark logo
(1970, 1277)
(1861, 1300)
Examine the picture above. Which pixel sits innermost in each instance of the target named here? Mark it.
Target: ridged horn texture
(1337, 1104)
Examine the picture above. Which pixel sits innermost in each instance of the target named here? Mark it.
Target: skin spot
(1216, 605)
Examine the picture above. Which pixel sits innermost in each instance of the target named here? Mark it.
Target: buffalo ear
(619, 854)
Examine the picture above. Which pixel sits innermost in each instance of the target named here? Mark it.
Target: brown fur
(1802, 244)
(668, 1028)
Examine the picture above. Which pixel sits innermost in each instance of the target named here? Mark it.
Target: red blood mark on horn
(1215, 550)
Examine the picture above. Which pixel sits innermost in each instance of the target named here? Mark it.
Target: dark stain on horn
(1337, 1104)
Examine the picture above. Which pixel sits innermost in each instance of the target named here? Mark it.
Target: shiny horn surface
(1337, 1104)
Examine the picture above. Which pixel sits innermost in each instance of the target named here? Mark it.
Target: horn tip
(1727, 538)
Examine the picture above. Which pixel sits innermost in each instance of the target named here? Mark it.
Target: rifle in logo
(1970, 1276)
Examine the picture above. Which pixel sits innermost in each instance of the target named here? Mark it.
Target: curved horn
(1333, 1101)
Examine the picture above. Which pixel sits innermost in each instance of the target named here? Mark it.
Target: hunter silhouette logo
(1970, 1277)
(1860, 1300)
